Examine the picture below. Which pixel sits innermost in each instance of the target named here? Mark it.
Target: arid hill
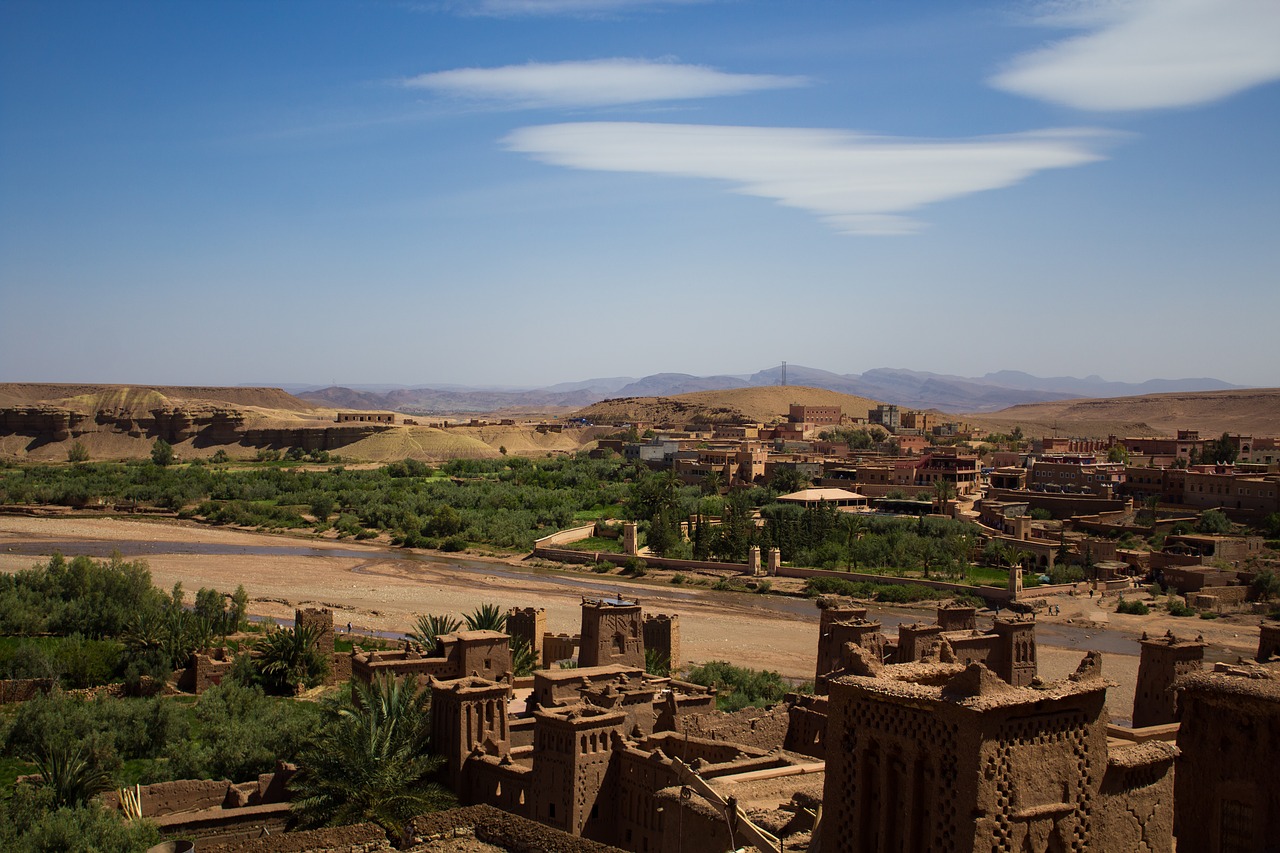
(39, 422)
(138, 399)
(767, 404)
(1254, 411)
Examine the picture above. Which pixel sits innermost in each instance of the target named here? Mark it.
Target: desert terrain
(767, 404)
(1254, 411)
(380, 589)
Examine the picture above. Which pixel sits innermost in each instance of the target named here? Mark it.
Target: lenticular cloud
(1147, 54)
(856, 183)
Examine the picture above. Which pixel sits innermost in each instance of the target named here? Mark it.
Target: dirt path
(381, 589)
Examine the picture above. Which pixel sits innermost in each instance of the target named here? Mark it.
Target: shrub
(453, 544)
(1177, 607)
(739, 687)
(602, 568)
(1132, 607)
(678, 579)
(635, 567)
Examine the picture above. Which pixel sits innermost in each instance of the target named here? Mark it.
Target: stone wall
(361, 838)
(492, 826)
(757, 727)
(23, 689)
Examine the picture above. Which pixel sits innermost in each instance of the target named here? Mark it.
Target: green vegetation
(1265, 585)
(1132, 607)
(893, 593)
(505, 502)
(30, 822)
(739, 687)
(1213, 521)
(287, 660)
(373, 761)
(162, 453)
(427, 628)
(1177, 607)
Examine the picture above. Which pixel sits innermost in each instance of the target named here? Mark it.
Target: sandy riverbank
(379, 588)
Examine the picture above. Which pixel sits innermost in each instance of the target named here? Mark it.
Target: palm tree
(427, 628)
(70, 772)
(943, 490)
(656, 663)
(373, 762)
(523, 661)
(487, 617)
(289, 660)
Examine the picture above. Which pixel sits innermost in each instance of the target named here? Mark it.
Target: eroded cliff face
(206, 426)
(48, 422)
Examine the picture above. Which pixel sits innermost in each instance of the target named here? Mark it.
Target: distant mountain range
(908, 388)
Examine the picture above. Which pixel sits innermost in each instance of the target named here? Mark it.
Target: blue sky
(522, 192)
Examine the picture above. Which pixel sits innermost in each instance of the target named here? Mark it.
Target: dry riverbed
(377, 588)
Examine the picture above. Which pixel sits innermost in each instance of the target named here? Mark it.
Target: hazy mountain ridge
(907, 388)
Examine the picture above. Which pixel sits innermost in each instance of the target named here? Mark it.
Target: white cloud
(1148, 54)
(595, 83)
(856, 183)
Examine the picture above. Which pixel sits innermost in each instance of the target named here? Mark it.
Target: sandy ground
(381, 589)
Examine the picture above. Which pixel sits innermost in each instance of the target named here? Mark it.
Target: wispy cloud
(856, 183)
(531, 8)
(1148, 54)
(595, 83)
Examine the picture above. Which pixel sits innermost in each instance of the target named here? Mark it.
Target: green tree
(1265, 585)
(1213, 521)
(162, 453)
(1117, 453)
(1221, 451)
(77, 452)
(787, 479)
(373, 761)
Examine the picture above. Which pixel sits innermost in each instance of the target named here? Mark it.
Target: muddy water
(1051, 634)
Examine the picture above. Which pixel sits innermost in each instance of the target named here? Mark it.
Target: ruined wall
(361, 838)
(320, 619)
(662, 634)
(491, 826)
(1225, 796)
(204, 670)
(807, 725)
(755, 727)
(640, 777)
(557, 647)
(1137, 799)
(1268, 641)
(23, 689)
(530, 624)
(504, 785)
(1164, 660)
